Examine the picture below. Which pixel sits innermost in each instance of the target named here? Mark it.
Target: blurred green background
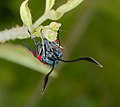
(91, 29)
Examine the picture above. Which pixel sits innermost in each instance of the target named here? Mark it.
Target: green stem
(13, 33)
(40, 21)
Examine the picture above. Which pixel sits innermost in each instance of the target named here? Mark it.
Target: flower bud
(71, 4)
(55, 26)
(50, 32)
(49, 5)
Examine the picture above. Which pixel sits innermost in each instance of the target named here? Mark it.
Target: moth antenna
(27, 46)
(90, 59)
(58, 37)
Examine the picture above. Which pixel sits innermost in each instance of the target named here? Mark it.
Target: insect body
(50, 53)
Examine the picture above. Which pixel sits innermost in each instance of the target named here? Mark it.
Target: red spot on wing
(32, 52)
(39, 57)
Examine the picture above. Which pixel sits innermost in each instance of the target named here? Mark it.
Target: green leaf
(20, 55)
(50, 31)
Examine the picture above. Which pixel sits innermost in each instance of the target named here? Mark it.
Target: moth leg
(36, 44)
(30, 49)
(46, 79)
